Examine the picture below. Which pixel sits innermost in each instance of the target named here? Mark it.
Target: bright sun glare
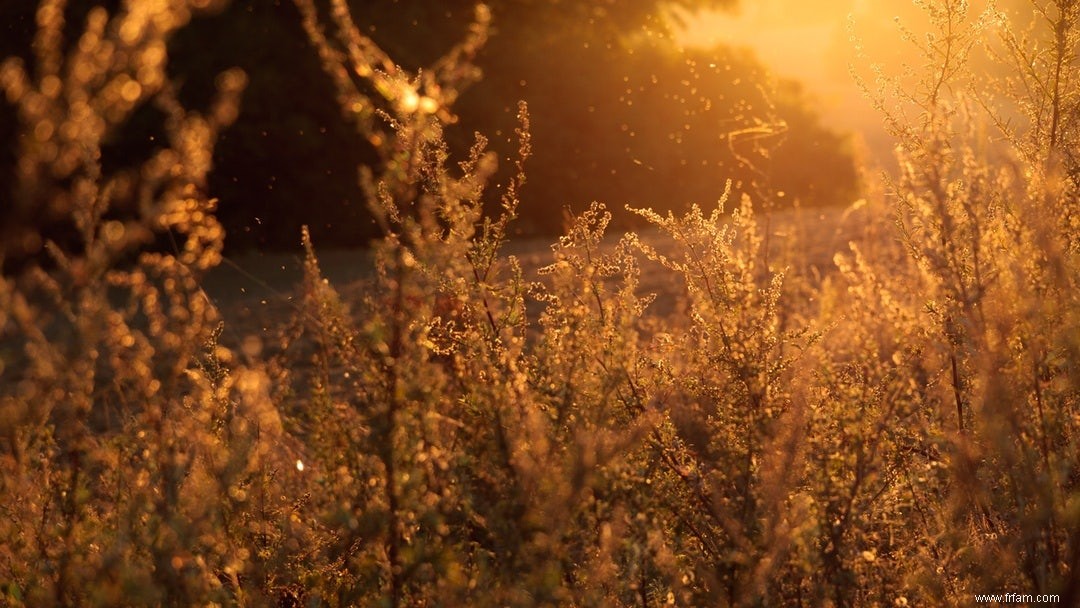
(814, 43)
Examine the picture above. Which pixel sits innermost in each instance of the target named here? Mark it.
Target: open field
(875, 404)
(256, 291)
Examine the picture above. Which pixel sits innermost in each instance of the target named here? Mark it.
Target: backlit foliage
(118, 418)
(900, 430)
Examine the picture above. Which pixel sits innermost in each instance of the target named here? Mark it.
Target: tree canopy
(620, 113)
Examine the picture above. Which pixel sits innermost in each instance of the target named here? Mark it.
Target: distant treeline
(619, 114)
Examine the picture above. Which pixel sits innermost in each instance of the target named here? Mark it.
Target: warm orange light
(819, 42)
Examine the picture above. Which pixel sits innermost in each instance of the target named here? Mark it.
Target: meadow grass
(899, 428)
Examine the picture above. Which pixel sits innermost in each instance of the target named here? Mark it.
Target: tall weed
(463, 433)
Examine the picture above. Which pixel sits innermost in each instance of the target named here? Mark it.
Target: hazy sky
(807, 41)
(811, 41)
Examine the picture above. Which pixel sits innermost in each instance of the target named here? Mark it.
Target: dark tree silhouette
(619, 114)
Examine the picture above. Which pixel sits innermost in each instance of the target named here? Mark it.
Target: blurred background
(633, 102)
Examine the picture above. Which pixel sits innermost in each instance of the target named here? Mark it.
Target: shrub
(118, 414)
(465, 433)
